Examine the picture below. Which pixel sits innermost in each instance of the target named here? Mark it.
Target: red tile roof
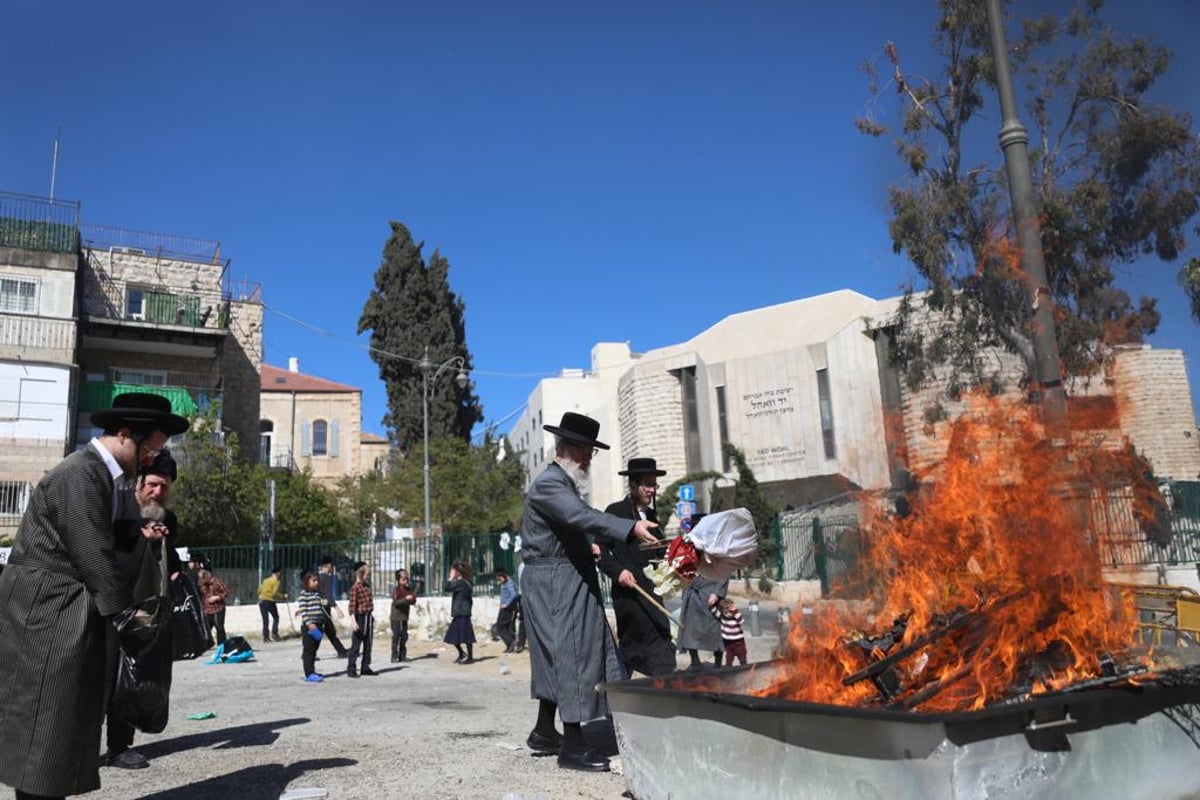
(372, 438)
(275, 379)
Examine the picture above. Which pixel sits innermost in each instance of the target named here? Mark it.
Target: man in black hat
(145, 506)
(570, 645)
(643, 631)
(61, 584)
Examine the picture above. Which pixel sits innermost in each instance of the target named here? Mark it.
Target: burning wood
(993, 584)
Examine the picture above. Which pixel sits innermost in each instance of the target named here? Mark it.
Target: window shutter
(333, 438)
(305, 438)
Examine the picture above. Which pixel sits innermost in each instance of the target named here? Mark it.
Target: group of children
(314, 620)
(460, 633)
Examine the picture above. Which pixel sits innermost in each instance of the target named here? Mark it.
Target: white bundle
(728, 541)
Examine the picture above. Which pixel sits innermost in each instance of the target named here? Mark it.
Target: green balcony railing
(94, 395)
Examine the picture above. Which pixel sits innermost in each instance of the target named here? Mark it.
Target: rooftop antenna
(54, 161)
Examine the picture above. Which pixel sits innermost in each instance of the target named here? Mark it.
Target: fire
(990, 588)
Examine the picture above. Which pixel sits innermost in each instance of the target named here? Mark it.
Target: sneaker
(315, 678)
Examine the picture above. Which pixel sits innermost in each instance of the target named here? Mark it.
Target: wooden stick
(650, 599)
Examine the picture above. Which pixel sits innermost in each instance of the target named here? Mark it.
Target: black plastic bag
(142, 693)
(191, 637)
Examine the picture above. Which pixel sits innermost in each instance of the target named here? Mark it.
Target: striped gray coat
(60, 583)
(571, 647)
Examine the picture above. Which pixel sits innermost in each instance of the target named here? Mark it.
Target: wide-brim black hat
(140, 410)
(577, 429)
(643, 466)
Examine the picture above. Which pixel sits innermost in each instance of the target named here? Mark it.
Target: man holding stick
(570, 645)
(643, 629)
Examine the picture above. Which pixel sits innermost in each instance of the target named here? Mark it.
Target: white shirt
(120, 482)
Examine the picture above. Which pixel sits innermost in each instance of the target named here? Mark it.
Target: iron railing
(159, 245)
(14, 497)
(428, 561)
(39, 223)
(830, 549)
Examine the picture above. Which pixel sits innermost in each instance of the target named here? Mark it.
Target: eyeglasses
(153, 453)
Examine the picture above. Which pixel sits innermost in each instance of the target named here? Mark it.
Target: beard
(577, 473)
(153, 511)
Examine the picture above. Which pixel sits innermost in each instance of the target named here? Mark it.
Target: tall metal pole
(1013, 140)
(425, 366)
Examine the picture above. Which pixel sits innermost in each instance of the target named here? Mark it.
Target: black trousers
(216, 620)
(308, 656)
(269, 610)
(360, 640)
(506, 624)
(400, 639)
(330, 631)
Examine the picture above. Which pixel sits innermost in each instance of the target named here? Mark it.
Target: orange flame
(999, 540)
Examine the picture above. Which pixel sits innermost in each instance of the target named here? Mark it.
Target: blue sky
(594, 172)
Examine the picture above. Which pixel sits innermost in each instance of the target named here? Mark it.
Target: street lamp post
(429, 377)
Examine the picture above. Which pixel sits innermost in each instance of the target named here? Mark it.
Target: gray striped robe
(571, 647)
(60, 583)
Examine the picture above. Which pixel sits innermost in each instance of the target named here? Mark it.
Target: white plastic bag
(728, 541)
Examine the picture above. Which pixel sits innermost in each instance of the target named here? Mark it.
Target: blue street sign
(685, 524)
(687, 492)
(684, 509)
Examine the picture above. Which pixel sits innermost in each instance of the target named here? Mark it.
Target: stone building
(88, 311)
(802, 388)
(316, 424)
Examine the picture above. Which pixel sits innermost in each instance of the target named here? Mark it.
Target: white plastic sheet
(728, 541)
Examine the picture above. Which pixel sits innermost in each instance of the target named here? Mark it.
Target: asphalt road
(423, 729)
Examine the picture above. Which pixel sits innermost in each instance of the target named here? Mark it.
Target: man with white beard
(145, 506)
(570, 645)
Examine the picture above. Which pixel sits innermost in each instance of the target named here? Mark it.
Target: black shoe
(126, 759)
(549, 745)
(368, 671)
(351, 673)
(519, 649)
(584, 761)
(460, 659)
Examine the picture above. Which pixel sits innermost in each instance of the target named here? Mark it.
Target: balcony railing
(156, 245)
(38, 223)
(185, 400)
(277, 457)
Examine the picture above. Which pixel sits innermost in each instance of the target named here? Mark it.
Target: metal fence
(830, 549)
(38, 223)
(242, 567)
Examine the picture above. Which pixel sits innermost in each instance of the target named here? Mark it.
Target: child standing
(362, 622)
(506, 620)
(212, 597)
(270, 595)
(403, 597)
(312, 615)
(461, 631)
(727, 613)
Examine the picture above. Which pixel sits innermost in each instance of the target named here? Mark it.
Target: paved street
(423, 729)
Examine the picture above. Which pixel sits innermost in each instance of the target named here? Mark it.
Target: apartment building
(89, 311)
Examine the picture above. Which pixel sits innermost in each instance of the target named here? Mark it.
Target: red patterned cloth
(682, 556)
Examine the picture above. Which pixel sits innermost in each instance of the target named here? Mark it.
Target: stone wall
(241, 366)
(109, 274)
(1157, 414)
(343, 409)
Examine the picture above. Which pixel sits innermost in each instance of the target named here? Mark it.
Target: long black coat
(61, 582)
(641, 628)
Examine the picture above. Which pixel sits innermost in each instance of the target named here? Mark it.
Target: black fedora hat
(643, 466)
(140, 410)
(577, 429)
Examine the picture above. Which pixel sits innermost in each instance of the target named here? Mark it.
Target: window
(135, 303)
(691, 418)
(320, 437)
(14, 496)
(723, 427)
(266, 431)
(18, 296)
(146, 377)
(826, 413)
